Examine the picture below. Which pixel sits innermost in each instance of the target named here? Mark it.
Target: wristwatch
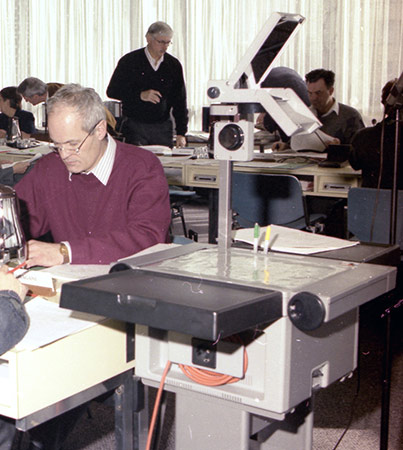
(65, 252)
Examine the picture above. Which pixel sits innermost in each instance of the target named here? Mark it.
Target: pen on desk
(267, 240)
(256, 233)
(20, 266)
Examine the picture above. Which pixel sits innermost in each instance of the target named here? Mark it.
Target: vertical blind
(81, 41)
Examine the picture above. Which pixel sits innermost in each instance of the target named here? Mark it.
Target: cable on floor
(156, 406)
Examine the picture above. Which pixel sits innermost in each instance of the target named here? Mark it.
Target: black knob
(306, 311)
(213, 92)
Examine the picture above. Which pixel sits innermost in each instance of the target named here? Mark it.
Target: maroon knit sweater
(101, 223)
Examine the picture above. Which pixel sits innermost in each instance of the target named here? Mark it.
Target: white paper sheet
(48, 323)
(72, 272)
(289, 240)
(34, 158)
(312, 141)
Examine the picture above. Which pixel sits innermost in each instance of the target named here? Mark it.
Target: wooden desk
(325, 182)
(41, 383)
(203, 173)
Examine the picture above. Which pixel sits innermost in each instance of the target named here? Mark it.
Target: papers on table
(312, 141)
(48, 323)
(289, 240)
(163, 150)
(73, 272)
(32, 159)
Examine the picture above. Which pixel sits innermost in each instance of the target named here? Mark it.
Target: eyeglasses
(71, 148)
(163, 42)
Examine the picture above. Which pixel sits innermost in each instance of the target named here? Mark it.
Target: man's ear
(331, 90)
(101, 130)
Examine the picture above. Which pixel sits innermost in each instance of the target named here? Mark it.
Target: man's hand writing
(334, 141)
(9, 282)
(279, 146)
(20, 167)
(43, 254)
(151, 96)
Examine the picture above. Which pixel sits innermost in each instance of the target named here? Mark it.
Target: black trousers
(139, 133)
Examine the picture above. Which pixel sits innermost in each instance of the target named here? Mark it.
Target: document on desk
(73, 272)
(312, 141)
(289, 240)
(32, 159)
(49, 323)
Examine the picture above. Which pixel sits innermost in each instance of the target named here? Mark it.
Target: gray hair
(161, 28)
(85, 101)
(32, 86)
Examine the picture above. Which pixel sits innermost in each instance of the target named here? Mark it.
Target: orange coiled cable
(209, 378)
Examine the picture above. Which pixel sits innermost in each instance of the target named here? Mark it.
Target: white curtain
(82, 40)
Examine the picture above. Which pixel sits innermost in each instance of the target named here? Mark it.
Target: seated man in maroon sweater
(100, 199)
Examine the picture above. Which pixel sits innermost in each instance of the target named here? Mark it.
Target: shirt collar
(103, 169)
(335, 108)
(154, 64)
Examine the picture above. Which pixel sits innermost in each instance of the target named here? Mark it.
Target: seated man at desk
(13, 326)
(100, 199)
(35, 91)
(339, 121)
(10, 107)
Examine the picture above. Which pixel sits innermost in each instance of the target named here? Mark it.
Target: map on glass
(243, 266)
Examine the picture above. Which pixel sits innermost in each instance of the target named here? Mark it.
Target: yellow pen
(267, 240)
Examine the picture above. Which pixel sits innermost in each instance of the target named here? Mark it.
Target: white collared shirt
(335, 108)
(103, 169)
(154, 64)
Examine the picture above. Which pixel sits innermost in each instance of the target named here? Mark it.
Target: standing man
(150, 84)
(99, 198)
(339, 121)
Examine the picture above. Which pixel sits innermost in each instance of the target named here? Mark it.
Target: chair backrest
(266, 199)
(115, 107)
(369, 208)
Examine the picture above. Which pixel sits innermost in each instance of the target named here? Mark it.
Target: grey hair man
(35, 91)
(99, 198)
(151, 86)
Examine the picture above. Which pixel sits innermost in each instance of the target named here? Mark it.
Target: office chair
(115, 108)
(368, 215)
(178, 197)
(271, 199)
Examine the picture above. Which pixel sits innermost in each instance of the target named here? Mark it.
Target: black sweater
(134, 75)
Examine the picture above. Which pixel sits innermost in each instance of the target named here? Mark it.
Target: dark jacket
(13, 320)
(366, 151)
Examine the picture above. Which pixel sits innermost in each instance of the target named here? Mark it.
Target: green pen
(256, 234)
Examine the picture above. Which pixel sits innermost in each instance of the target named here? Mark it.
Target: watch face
(65, 252)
